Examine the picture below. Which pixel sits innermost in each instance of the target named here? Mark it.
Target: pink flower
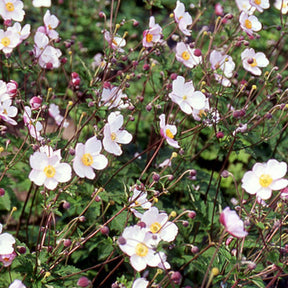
(88, 157)
(12, 9)
(264, 178)
(153, 35)
(168, 131)
(185, 55)
(252, 61)
(12, 87)
(113, 135)
(232, 222)
(35, 102)
(48, 171)
(218, 9)
(183, 18)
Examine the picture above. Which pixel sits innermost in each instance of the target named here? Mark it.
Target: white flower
(48, 170)
(252, 61)
(185, 96)
(185, 55)
(113, 135)
(88, 157)
(138, 244)
(51, 22)
(153, 34)
(139, 198)
(8, 40)
(6, 243)
(12, 9)
(115, 42)
(264, 178)
(244, 5)
(260, 5)
(158, 224)
(48, 56)
(249, 24)
(222, 80)
(41, 3)
(140, 283)
(7, 111)
(17, 284)
(232, 222)
(168, 132)
(183, 18)
(33, 125)
(23, 32)
(223, 62)
(112, 97)
(281, 5)
(54, 112)
(198, 114)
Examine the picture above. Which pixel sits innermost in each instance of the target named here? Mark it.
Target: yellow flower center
(184, 97)
(254, 63)
(9, 7)
(141, 250)
(149, 37)
(114, 42)
(155, 227)
(248, 24)
(169, 134)
(265, 180)
(49, 27)
(257, 2)
(87, 159)
(5, 111)
(284, 5)
(185, 55)
(5, 41)
(202, 113)
(49, 171)
(113, 136)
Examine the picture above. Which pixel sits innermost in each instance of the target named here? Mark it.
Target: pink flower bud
(83, 282)
(12, 87)
(218, 9)
(2, 192)
(35, 102)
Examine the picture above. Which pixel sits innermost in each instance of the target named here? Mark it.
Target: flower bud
(176, 277)
(67, 242)
(156, 177)
(83, 282)
(104, 230)
(35, 102)
(197, 53)
(2, 192)
(192, 214)
(219, 134)
(121, 240)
